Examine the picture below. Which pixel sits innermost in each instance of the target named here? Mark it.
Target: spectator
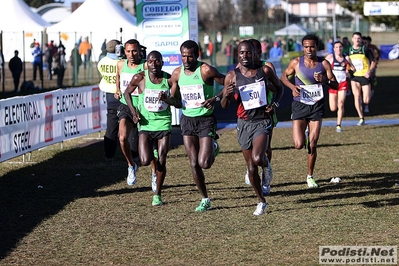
(265, 46)
(37, 61)
(53, 47)
(48, 59)
(346, 45)
(206, 41)
(210, 51)
(32, 45)
(60, 65)
(16, 67)
(76, 62)
(291, 45)
(330, 46)
(227, 52)
(85, 51)
(276, 51)
(103, 50)
(219, 41)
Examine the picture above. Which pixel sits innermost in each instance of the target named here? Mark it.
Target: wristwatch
(217, 98)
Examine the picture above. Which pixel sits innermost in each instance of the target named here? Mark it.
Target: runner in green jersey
(193, 81)
(153, 116)
(126, 69)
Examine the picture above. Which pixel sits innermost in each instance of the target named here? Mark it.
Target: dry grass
(94, 219)
(69, 207)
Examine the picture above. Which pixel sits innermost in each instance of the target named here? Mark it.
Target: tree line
(221, 14)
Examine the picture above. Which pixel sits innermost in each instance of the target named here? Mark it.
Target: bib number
(253, 95)
(311, 94)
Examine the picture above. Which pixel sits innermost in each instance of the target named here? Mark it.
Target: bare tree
(252, 11)
(216, 14)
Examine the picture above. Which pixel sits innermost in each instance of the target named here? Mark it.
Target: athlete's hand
(209, 103)
(118, 94)
(269, 108)
(136, 117)
(297, 91)
(163, 96)
(227, 91)
(318, 77)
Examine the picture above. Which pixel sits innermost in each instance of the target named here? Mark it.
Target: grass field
(69, 207)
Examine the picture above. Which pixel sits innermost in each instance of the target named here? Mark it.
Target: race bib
(192, 95)
(151, 101)
(358, 63)
(125, 79)
(339, 75)
(311, 94)
(253, 95)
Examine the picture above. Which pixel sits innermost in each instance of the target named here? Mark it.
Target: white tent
(97, 19)
(292, 30)
(19, 26)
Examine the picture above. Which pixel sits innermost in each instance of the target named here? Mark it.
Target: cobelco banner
(32, 122)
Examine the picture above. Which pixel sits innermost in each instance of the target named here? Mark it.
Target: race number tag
(340, 75)
(253, 95)
(151, 101)
(311, 94)
(358, 63)
(192, 95)
(125, 79)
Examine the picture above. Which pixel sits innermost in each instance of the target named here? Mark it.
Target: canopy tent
(19, 26)
(292, 30)
(98, 20)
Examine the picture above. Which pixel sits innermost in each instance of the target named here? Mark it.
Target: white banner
(28, 123)
(381, 8)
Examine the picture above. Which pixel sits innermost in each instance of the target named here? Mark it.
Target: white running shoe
(154, 182)
(131, 175)
(260, 208)
(311, 182)
(247, 178)
(335, 180)
(267, 177)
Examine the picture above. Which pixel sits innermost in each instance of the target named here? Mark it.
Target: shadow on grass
(356, 186)
(34, 193)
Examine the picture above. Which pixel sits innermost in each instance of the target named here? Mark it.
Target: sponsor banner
(381, 8)
(31, 122)
(165, 25)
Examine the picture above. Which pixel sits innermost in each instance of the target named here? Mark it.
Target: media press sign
(163, 25)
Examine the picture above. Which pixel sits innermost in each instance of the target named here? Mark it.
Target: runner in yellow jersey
(364, 63)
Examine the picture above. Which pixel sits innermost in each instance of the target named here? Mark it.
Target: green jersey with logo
(194, 92)
(126, 76)
(155, 115)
